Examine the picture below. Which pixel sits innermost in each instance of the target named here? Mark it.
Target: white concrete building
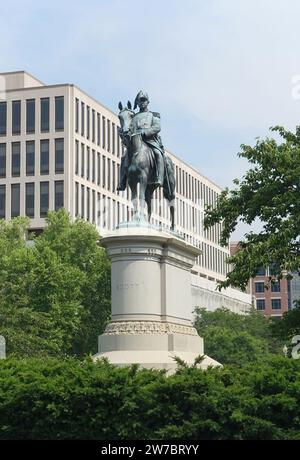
(59, 147)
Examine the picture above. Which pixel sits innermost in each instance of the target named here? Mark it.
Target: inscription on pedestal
(126, 286)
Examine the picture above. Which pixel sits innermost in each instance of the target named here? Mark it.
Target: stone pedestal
(151, 298)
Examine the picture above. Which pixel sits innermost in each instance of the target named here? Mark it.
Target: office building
(59, 147)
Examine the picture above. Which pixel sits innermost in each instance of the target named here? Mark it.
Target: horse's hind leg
(142, 196)
(172, 212)
(148, 197)
(134, 199)
(149, 206)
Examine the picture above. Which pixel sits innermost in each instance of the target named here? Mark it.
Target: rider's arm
(155, 127)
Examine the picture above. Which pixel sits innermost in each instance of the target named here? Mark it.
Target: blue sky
(219, 71)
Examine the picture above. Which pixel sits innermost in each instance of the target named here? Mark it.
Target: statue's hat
(139, 95)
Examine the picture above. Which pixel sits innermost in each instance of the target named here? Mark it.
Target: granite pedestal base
(151, 298)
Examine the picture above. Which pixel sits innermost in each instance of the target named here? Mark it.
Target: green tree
(236, 339)
(77, 245)
(269, 191)
(289, 326)
(55, 293)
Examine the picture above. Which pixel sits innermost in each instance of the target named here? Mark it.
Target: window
(108, 135)
(275, 286)
(76, 115)
(45, 114)
(59, 113)
(16, 159)
(29, 202)
(260, 304)
(103, 132)
(113, 138)
(76, 199)
(59, 194)
(93, 126)
(82, 160)
(93, 165)
(93, 206)
(30, 116)
(98, 168)
(98, 128)
(109, 213)
(113, 176)
(261, 271)
(15, 200)
(82, 201)
(2, 160)
(276, 304)
(16, 117)
(260, 287)
(59, 156)
(88, 204)
(108, 174)
(3, 118)
(2, 201)
(88, 111)
(103, 172)
(44, 198)
(44, 157)
(82, 118)
(76, 158)
(30, 157)
(98, 209)
(88, 163)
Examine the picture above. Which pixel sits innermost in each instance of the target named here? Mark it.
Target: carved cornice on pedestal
(148, 327)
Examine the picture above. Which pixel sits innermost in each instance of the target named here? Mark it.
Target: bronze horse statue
(141, 169)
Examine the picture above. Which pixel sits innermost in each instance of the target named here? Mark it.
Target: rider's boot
(159, 180)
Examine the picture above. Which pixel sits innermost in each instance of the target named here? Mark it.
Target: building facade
(274, 298)
(280, 296)
(59, 147)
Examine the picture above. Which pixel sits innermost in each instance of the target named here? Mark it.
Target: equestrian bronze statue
(144, 161)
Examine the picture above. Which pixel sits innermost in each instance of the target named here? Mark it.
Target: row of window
(97, 168)
(30, 192)
(30, 108)
(16, 156)
(260, 286)
(97, 128)
(275, 304)
(194, 189)
(213, 259)
(98, 208)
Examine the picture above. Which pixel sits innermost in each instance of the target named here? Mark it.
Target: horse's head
(125, 116)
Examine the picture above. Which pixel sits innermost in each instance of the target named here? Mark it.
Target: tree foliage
(55, 293)
(289, 326)
(236, 339)
(269, 191)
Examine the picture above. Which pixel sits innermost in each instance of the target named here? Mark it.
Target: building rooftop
(18, 80)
